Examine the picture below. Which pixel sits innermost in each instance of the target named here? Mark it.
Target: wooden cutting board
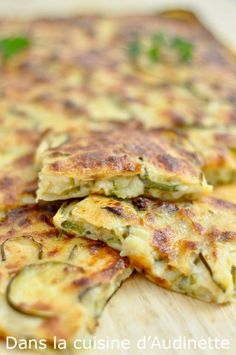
(140, 309)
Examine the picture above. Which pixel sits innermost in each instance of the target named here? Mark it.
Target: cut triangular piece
(188, 247)
(53, 284)
(124, 161)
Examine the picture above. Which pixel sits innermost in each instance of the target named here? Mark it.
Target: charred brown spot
(82, 282)
(188, 215)
(141, 203)
(55, 166)
(6, 182)
(221, 236)
(109, 272)
(187, 212)
(46, 219)
(227, 235)
(198, 227)
(117, 211)
(177, 118)
(25, 160)
(150, 218)
(169, 163)
(95, 247)
(170, 207)
(18, 213)
(160, 281)
(53, 252)
(189, 244)
(222, 203)
(74, 107)
(163, 240)
(69, 104)
(24, 222)
(192, 156)
(25, 218)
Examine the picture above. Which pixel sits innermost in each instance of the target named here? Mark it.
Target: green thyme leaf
(134, 49)
(11, 46)
(184, 48)
(157, 46)
(157, 42)
(154, 54)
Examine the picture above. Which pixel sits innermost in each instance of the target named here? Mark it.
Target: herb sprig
(157, 42)
(157, 46)
(135, 49)
(11, 46)
(184, 48)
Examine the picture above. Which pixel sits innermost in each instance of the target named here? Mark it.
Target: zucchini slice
(20, 248)
(15, 253)
(161, 186)
(35, 289)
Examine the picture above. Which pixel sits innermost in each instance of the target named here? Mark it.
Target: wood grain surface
(140, 308)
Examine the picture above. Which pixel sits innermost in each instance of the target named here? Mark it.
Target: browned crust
(121, 152)
(219, 147)
(206, 230)
(100, 264)
(162, 240)
(221, 204)
(84, 67)
(18, 177)
(25, 81)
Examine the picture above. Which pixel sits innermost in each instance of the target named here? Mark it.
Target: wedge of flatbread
(53, 284)
(125, 161)
(188, 247)
(18, 146)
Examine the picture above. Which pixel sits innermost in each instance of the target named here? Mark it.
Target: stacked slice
(125, 161)
(187, 245)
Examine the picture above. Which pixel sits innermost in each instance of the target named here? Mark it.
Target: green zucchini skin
(178, 245)
(53, 283)
(35, 281)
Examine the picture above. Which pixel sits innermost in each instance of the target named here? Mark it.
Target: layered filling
(134, 243)
(57, 187)
(190, 272)
(218, 151)
(216, 176)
